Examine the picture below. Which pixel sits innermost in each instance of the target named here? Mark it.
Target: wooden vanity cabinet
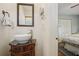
(27, 49)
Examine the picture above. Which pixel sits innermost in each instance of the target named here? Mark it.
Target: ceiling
(65, 9)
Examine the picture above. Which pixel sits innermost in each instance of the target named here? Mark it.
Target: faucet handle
(31, 31)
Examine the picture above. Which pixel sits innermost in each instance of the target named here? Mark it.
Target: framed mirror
(25, 14)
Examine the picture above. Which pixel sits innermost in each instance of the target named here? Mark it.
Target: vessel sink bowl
(22, 38)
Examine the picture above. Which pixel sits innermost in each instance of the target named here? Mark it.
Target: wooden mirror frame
(18, 15)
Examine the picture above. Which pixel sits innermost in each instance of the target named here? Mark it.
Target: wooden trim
(28, 16)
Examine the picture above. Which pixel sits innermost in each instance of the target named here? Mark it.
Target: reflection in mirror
(25, 14)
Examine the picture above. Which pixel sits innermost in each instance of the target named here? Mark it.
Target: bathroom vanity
(27, 49)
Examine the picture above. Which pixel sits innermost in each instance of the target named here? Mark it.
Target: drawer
(27, 53)
(16, 49)
(22, 48)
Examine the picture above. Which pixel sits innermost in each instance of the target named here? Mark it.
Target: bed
(71, 43)
(74, 38)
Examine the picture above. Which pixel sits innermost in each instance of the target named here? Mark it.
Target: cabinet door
(29, 47)
(29, 53)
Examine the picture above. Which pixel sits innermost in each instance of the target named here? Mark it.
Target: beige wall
(44, 31)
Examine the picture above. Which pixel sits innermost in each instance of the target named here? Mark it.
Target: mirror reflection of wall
(25, 15)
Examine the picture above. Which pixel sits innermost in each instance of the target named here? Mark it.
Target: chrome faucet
(31, 32)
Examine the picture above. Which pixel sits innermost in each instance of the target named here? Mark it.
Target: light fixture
(6, 18)
(74, 6)
(42, 13)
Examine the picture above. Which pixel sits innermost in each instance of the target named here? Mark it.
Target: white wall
(74, 19)
(44, 31)
(49, 28)
(53, 17)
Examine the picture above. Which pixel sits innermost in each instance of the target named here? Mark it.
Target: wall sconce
(42, 13)
(5, 18)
